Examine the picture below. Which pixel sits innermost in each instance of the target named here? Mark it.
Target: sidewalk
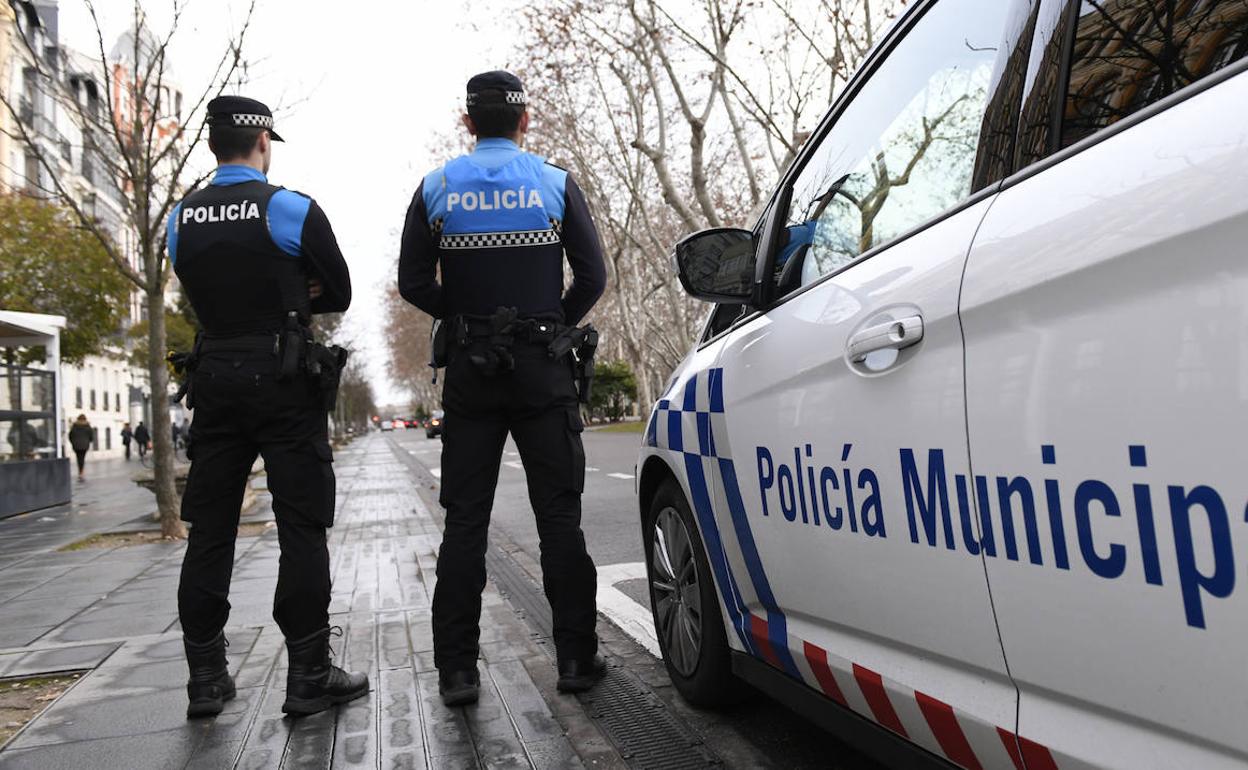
(113, 612)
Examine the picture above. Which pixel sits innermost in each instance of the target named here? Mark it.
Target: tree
(407, 337)
(142, 140)
(678, 116)
(614, 387)
(179, 336)
(49, 264)
(356, 401)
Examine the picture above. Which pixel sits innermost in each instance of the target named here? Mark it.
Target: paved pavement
(112, 612)
(759, 732)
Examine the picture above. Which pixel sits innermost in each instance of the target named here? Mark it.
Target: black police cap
(241, 112)
(496, 87)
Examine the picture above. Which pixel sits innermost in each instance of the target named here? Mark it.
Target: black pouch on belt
(293, 348)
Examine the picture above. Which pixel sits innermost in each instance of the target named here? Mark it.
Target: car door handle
(895, 335)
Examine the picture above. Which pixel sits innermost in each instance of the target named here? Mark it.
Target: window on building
(117, 397)
(32, 174)
(93, 398)
(77, 398)
(95, 438)
(1129, 54)
(108, 439)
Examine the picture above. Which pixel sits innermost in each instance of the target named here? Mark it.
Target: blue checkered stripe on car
(691, 420)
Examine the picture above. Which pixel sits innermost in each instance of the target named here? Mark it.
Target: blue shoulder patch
(433, 190)
(554, 189)
(287, 212)
(171, 234)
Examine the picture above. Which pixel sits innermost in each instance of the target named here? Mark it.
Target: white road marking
(590, 470)
(436, 472)
(620, 475)
(512, 454)
(633, 619)
(515, 464)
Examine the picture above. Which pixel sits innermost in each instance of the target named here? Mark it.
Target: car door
(1105, 311)
(843, 404)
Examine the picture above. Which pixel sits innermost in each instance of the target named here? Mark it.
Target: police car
(959, 458)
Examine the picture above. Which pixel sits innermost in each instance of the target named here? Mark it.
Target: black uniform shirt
(248, 234)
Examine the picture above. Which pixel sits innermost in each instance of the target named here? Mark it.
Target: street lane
(609, 511)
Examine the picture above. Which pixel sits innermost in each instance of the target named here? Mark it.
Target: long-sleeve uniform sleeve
(326, 263)
(418, 260)
(584, 253)
(300, 228)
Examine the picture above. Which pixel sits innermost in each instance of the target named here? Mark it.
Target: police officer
(256, 261)
(498, 222)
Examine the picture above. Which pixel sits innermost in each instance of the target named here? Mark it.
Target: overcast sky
(370, 88)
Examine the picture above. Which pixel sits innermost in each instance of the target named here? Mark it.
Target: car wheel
(686, 611)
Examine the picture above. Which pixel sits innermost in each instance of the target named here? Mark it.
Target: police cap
(241, 112)
(496, 87)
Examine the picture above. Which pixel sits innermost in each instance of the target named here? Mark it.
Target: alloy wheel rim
(677, 596)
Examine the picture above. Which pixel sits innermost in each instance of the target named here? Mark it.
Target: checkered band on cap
(509, 97)
(499, 240)
(256, 121)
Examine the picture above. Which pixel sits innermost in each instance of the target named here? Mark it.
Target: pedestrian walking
(126, 436)
(256, 261)
(81, 435)
(142, 439)
(176, 431)
(498, 223)
(25, 440)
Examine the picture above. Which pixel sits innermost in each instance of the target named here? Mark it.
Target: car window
(1127, 54)
(721, 318)
(903, 151)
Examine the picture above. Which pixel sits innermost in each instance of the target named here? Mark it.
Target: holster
(582, 343)
(184, 364)
(324, 364)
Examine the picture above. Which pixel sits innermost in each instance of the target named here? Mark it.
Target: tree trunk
(162, 427)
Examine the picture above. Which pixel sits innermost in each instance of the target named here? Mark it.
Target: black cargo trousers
(536, 402)
(241, 410)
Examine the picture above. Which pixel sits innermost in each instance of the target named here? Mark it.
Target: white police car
(961, 451)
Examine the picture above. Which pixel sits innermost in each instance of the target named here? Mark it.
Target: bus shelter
(34, 473)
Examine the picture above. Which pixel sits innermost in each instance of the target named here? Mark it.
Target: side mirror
(717, 265)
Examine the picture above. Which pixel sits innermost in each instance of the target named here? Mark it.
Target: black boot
(313, 684)
(210, 685)
(459, 688)
(580, 675)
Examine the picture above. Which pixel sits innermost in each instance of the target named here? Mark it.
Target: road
(613, 534)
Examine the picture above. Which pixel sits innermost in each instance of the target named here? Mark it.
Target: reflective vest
(497, 227)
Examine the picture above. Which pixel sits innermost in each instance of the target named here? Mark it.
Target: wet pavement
(112, 613)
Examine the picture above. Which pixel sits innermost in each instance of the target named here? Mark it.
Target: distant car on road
(433, 428)
(973, 394)
(386, 425)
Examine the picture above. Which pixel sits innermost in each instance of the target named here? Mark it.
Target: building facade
(41, 74)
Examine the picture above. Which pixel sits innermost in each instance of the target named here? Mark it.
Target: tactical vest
(238, 280)
(498, 237)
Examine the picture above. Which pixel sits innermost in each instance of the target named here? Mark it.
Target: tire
(688, 621)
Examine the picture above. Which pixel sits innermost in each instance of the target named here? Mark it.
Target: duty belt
(487, 341)
(521, 329)
(247, 343)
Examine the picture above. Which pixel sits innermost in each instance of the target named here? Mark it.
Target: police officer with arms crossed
(256, 261)
(498, 221)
